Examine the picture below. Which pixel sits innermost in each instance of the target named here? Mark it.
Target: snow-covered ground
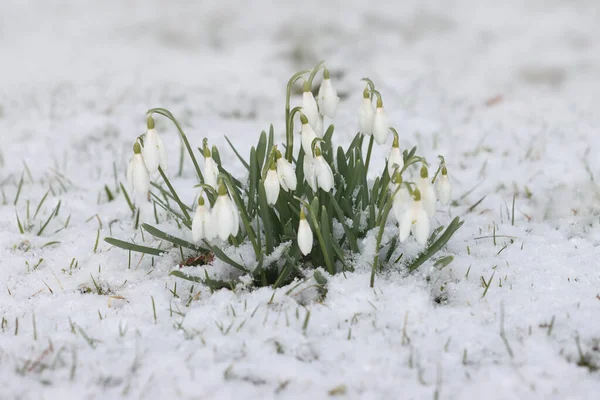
(508, 91)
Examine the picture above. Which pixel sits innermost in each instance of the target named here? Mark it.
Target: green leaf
(134, 247)
(342, 219)
(127, 198)
(266, 218)
(52, 215)
(342, 165)
(238, 154)
(391, 249)
(167, 208)
(225, 258)
(443, 262)
(157, 233)
(327, 240)
(437, 245)
(271, 139)
(319, 278)
(254, 177)
(261, 149)
(212, 284)
(182, 206)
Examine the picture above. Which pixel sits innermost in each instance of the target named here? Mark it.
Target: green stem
(166, 113)
(314, 72)
(289, 135)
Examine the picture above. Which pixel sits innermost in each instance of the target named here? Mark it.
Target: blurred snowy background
(508, 91)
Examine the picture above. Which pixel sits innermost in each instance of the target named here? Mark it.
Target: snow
(508, 92)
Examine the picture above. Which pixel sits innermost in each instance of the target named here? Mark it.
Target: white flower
(272, 185)
(308, 135)
(381, 124)
(305, 236)
(137, 173)
(201, 224)
(415, 220)
(443, 187)
(211, 168)
(309, 105)
(309, 172)
(395, 161)
(366, 114)
(401, 199)
(427, 192)
(225, 218)
(320, 128)
(328, 98)
(323, 172)
(286, 173)
(154, 151)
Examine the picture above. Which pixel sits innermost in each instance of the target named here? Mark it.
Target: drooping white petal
(286, 175)
(405, 223)
(308, 135)
(320, 128)
(401, 203)
(140, 177)
(271, 187)
(309, 172)
(366, 113)
(323, 174)
(444, 189)
(428, 195)
(200, 223)
(328, 99)
(235, 217)
(162, 151)
(420, 228)
(150, 151)
(211, 172)
(222, 217)
(381, 126)
(309, 108)
(305, 237)
(395, 161)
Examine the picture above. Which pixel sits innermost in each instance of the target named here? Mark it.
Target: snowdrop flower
(201, 224)
(415, 220)
(211, 169)
(427, 192)
(225, 219)
(366, 114)
(271, 184)
(328, 98)
(305, 235)
(285, 173)
(309, 105)
(323, 173)
(443, 187)
(381, 123)
(309, 172)
(320, 128)
(154, 152)
(137, 173)
(395, 161)
(308, 135)
(401, 198)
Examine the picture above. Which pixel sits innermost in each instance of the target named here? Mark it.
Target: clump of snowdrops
(302, 204)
